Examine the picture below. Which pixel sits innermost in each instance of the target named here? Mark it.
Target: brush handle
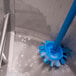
(67, 22)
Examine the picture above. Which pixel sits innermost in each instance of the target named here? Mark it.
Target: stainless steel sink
(25, 59)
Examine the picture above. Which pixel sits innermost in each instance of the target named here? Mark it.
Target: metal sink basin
(24, 59)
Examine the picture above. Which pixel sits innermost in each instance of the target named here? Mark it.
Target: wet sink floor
(27, 62)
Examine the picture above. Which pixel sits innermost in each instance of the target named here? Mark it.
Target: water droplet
(29, 38)
(19, 36)
(27, 74)
(22, 56)
(26, 65)
(22, 40)
(31, 65)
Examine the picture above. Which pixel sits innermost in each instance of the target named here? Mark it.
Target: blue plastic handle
(68, 20)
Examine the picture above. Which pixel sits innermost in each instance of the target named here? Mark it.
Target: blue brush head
(50, 56)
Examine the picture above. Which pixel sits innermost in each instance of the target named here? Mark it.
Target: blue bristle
(42, 54)
(65, 56)
(51, 64)
(42, 43)
(41, 47)
(57, 64)
(66, 50)
(45, 60)
(47, 41)
(63, 61)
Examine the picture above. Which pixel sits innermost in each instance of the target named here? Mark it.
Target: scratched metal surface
(27, 62)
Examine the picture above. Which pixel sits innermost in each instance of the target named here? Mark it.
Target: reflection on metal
(3, 39)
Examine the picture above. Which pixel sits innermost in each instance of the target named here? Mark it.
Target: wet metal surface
(27, 62)
(3, 69)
